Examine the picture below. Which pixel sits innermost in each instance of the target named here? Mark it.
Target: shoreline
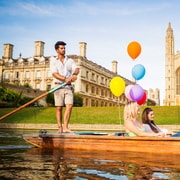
(91, 127)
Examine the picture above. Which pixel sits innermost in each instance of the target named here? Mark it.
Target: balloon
(134, 49)
(136, 92)
(138, 71)
(117, 86)
(127, 91)
(143, 99)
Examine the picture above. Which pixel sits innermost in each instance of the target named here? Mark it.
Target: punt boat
(101, 141)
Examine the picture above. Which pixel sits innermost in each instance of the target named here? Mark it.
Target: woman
(148, 122)
(132, 125)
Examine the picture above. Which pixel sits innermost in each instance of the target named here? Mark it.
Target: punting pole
(32, 101)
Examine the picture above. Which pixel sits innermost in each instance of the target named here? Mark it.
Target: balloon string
(119, 111)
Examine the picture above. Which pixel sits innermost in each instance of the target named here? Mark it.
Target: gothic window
(178, 82)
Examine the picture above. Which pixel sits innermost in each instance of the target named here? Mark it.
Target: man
(63, 69)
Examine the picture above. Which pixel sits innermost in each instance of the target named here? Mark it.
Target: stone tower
(172, 71)
(82, 49)
(114, 66)
(169, 67)
(8, 52)
(39, 49)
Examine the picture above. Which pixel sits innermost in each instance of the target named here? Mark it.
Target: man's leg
(67, 115)
(59, 118)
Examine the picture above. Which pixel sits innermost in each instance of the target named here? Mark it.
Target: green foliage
(11, 98)
(50, 99)
(27, 85)
(17, 100)
(24, 100)
(7, 95)
(2, 93)
(78, 100)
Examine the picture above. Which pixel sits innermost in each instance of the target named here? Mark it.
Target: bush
(10, 98)
(50, 99)
(78, 100)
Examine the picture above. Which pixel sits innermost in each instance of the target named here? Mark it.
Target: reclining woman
(133, 126)
(149, 124)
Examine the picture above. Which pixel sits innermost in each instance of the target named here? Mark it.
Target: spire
(169, 29)
(169, 25)
(169, 40)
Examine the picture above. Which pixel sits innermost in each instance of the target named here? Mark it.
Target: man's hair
(56, 46)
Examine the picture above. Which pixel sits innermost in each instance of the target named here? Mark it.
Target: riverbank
(76, 127)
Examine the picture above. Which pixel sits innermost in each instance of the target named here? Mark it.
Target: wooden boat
(97, 141)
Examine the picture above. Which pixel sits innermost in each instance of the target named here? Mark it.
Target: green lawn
(88, 115)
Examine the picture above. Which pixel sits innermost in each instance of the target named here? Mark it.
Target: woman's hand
(161, 134)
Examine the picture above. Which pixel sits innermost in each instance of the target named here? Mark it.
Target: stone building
(154, 95)
(172, 71)
(92, 83)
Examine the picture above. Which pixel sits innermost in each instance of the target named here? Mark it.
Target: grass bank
(88, 115)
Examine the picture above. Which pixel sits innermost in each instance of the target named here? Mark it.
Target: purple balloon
(136, 92)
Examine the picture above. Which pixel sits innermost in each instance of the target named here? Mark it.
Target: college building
(92, 83)
(172, 71)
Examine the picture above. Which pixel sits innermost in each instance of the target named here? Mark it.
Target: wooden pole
(32, 101)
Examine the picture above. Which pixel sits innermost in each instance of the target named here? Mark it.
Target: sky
(106, 26)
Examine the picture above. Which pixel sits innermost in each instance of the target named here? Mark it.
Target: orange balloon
(134, 49)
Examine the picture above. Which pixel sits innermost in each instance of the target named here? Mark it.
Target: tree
(78, 100)
(50, 99)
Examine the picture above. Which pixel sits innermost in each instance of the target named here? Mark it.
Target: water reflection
(19, 160)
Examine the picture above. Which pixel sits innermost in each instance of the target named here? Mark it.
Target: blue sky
(106, 26)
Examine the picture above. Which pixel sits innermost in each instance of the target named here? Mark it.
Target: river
(21, 161)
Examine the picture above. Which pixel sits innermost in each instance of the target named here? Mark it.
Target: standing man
(63, 69)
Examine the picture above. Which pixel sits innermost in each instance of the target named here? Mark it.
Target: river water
(20, 160)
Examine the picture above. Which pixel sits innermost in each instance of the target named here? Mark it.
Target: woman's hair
(131, 110)
(145, 119)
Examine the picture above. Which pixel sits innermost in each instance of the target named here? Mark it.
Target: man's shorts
(63, 96)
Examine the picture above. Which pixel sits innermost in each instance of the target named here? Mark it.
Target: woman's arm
(132, 128)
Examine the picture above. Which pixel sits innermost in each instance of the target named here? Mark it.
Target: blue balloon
(138, 71)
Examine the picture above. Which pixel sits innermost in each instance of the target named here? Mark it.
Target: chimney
(82, 47)
(39, 49)
(8, 52)
(114, 66)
